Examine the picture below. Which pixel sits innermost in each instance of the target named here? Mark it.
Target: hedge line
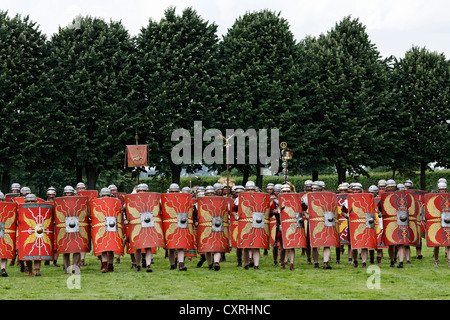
(331, 181)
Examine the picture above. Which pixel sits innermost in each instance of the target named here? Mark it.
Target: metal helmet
(270, 185)
(210, 189)
(112, 187)
(68, 189)
(401, 187)
(30, 198)
(25, 190)
(357, 185)
(51, 190)
(442, 185)
(140, 187)
(186, 190)
(382, 183)
(218, 186)
(308, 183)
(240, 188)
(408, 183)
(200, 194)
(442, 180)
(373, 188)
(285, 187)
(81, 185)
(250, 185)
(315, 185)
(343, 186)
(277, 187)
(391, 183)
(105, 192)
(15, 186)
(200, 189)
(174, 187)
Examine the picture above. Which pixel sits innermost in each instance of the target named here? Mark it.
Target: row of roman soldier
(150, 220)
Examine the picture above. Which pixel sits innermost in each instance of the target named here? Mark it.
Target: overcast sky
(394, 26)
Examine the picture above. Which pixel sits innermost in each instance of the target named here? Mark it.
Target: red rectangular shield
(91, 194)
(362, 218)
(144, 229)
(35, 231)
(437, 217)
(292, 221)
(400, 218)
(107, 225)
(137, 155)
(72, 224)
(253, 223)
(323, 217)
(177, 215)
(8, 226)
(212, 230)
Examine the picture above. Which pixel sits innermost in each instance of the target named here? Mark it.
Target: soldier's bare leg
(181, 265)
(217, 257)
(401, 255)
(148, 259)
(3, 263)
(326, 257)
(315, 256)
(256, 255)
(436, 256)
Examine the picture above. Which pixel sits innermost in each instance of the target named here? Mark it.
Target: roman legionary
(321, 212)
(292, 229)
(8, 225)
(213, 235)
(144, 224)
(437, 216)
(399, 211)
(177, 214)
(51, 195)
(253, 224)
(360, 210)
(72, 228)
(107, 228)
(35, 233)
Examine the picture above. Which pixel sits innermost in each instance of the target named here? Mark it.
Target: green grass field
(419, 280)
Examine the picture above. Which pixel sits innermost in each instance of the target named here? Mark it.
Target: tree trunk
(6, 182)
(175, 170)
(315, 175)
(79, 173)
(259, 176)
(423, 169)
(92, 176)
(246, 174)
(341, 173)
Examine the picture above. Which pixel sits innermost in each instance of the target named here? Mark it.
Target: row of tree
(74, 101)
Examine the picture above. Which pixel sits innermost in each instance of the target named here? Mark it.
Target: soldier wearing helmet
(269, 188)
(68, 191)
(51, 194)
(382, 184)
(408, 184)
(81, 186)
(15, 188)
(307, 186)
